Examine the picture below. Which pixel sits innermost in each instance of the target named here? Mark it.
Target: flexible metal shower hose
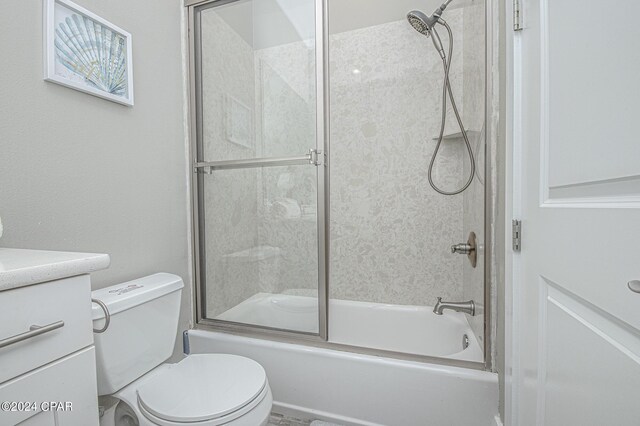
(446, 89)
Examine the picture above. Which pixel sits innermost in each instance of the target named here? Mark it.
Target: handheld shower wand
(426, 25)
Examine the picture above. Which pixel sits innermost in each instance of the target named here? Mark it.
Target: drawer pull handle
(34, 330)
(107, 316)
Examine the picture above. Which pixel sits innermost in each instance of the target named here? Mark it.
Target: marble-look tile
(280, 420)
(390, 232)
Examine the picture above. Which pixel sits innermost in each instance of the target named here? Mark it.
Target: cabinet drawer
(67, 300)
(70, 381)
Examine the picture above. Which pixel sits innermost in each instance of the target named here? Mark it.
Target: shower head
(426, 25)
(421, 22)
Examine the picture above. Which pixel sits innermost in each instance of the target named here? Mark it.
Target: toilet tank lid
(126, 295)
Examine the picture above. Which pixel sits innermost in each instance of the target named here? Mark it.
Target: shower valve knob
(462, 248)
(468, 248)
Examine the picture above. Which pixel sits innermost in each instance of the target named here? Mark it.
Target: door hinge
(516, 234)
(517, 15)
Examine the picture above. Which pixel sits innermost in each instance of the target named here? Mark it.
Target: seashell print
(94, 52)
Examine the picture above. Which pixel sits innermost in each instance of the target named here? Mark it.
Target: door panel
(588, 116)
(261, 239)
(70, 380)
(259, 157)
(591, 367)
(258, 96)
(592, 82)
(578, 357)
(43, 418)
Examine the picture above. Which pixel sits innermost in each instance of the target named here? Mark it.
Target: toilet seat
(203, 389)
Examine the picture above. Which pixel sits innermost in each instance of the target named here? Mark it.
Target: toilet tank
(142, 331)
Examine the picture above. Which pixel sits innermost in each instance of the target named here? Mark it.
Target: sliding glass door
(259, 164)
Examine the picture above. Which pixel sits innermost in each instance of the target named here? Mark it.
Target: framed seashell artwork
(87, 53)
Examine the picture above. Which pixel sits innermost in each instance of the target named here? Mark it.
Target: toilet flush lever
(107, 316)
(634, 286)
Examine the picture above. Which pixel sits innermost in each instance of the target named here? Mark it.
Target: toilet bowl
(140, 320)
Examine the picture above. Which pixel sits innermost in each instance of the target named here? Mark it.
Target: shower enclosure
(313, 125)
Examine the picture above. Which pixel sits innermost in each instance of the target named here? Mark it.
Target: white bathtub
(356, 389)
(398, 328)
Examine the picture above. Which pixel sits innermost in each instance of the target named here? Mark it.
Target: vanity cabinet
(62, 393)
(47, 357)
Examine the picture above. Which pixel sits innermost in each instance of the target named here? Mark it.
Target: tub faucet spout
(466, 307)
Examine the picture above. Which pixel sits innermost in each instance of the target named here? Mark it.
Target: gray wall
(80, 173)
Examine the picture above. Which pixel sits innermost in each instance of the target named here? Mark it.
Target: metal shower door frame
(316, 157)
(491, 199)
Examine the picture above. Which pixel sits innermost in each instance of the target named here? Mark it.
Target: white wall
(79, 173)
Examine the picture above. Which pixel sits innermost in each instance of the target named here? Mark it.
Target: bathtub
(352, 388)
(398, 328)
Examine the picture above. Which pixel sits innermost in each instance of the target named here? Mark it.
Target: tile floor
(280, 420)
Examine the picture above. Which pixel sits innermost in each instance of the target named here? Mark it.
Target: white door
(576, 130)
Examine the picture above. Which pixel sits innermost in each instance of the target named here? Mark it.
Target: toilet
(199, 390)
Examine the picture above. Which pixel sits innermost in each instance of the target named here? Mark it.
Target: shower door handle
(314, 157)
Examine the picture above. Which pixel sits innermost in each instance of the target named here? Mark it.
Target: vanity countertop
(22, 267)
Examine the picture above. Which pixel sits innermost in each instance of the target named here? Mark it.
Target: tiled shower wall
(390, 232)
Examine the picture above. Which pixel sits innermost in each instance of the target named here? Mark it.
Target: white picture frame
(78, 45)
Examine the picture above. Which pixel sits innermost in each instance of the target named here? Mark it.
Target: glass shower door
(259, 165)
